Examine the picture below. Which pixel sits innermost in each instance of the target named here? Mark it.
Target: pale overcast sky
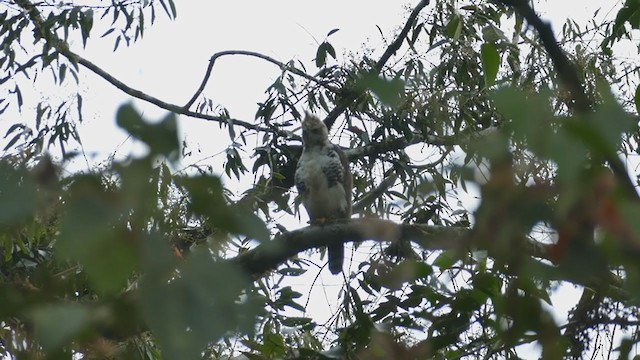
(170, 61)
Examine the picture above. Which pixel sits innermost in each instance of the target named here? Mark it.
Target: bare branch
(281, 65)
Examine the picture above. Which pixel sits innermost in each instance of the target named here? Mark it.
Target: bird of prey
(324, 182)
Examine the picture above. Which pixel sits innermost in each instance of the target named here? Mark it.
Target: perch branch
(269, 255)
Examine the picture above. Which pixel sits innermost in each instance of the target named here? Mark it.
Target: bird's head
(314, 132)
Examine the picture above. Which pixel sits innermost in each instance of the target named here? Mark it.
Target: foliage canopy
(137, 260)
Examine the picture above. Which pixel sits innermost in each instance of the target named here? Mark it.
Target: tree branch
(281, 65)
(569, 77)
(63, 48)
(392, 49)
(278, 186)
(269, 255)
(564, 67)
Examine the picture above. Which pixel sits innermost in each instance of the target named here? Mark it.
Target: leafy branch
(569, 77)
(351, 96)
(63, 48)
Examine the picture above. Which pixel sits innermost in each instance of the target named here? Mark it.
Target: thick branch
(270, 255)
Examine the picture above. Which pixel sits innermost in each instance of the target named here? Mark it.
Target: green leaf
(286, 297)
(205, 193)
(488, 283)
(630, 13)
(490, 63)
(289, 271)
(454, 27)
(274, 347)
(438, 342)
(388, 91)
(62, 72)
(296, 321)
(55, 325)
(162, 138)
(321, 55)
(405, 272)
(196, 307)
(331, 50)
(94, 234)
(529, 116)
(447, 259)
(602, 130)
(3, 108)
(332, 32)
(17, 195)
(492, 34)
(86, 24)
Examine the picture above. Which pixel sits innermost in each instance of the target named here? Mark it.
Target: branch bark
(268, 256)
(281, 65)
(569, 77)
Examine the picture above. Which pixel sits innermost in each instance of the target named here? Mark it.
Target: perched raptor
(324, 182)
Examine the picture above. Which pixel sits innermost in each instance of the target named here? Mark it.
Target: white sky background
(170, 61)
(166, 66)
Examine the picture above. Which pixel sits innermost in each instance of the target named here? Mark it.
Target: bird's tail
(336, 258)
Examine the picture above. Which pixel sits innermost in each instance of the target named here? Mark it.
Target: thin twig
(392, 49)
(374, 194)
